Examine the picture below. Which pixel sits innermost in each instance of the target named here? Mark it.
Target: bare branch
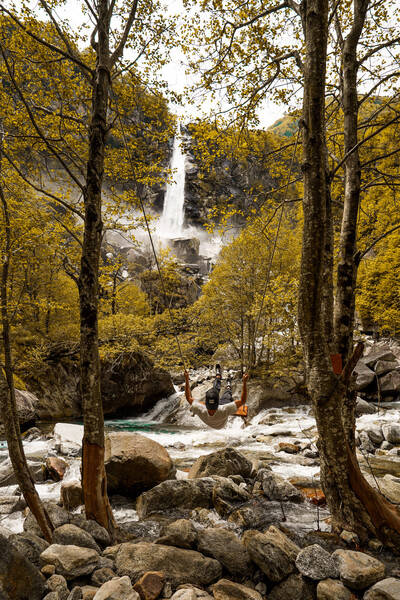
(360, 255)
(377, 48)
(120, 48)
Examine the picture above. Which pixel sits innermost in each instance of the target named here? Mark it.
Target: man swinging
(216, 411)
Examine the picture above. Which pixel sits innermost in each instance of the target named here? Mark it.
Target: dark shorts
(226, 396)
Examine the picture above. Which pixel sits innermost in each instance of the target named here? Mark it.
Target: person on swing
(216, 411)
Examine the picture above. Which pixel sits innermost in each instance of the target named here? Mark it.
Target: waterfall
(171, 221)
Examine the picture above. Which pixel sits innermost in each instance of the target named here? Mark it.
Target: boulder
(181, 533)
(332, 589)
(10, 504)
(288, 448)
(228, 590)
(15, 571)
(27, 404)
(76, 593)
(71, 561)
(179, 566)
(7, 474)
(135, 463)
(357, 570)
(119, 588)
(186, 594)
(390, 488)
(150, 585)
(58, 517)
(30, 545)
(68, 433)
(391, 431)
(316, 563)
(292, 588)
(365, 376)
(71, 535)
(225, 462)
(387, 589)
(57, 584)
(375, 434)
(98, 533)
(227, 496)
(385, 366)
(277, 488)
(56, 467)
(100, 576)
(378, 353)
(224, 545)
(71, 494)
(364, 408)
(177, 494)
(273, 552)
(390, 383)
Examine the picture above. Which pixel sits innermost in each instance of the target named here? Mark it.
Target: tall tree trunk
(94, 481)
(353, 504)
(7, 396)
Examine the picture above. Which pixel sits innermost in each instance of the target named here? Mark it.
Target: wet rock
(71, 561)
(98, 533)
(228, 590)
(364, 408)
(30, 545)
(378, 353)
(56, 467)
(223, 462)
(292, 588)
(227, 496)
(179, 566)
(357, 570)
(387, 589)
(71, 494)
(100, 576)
(7, 475)
(71, 535)
(119, 588)
(390, 383)
(134, 463)
(224, 545)
(386, 445)
(150, 585)
(391, 432)
(365, 376)
(10, 504)
(385, 366)
(375, 434)
(181, 533)
(58, 517)
(273, 552)
(316, 563)
(288, 448)
(277, 488)
(15, 571)
(332, 589)
(178, 494)
(382, 465)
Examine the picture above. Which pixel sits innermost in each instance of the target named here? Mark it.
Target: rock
(179, 566)
(390, 383)
(375, 434)
(391, 431)
(365, 376)
(288, 448)
(5, 532)
(56, 467)
(273, 552)
(178, 494)
(365, 444)
(7, 475)
(68, 433)
(89, 592)
(71, 561)
(10, 504)
(387, 589)
(52, 596)
(332, 589)
(98, 533)
(277, 488)
(292, 588)
(30, 545)
(390, 488)
(134, 463)
(48, 570)
(382, 465)
(357, 570)
(364, 408)
(224, 545)
(71, 495)
(119, 588)
(71, 535)
(58, 517)
(386, 445)
(378, 353)
(228, 590)
(227, 496)
(316, 563)
(385, 366)
(150, 585)
(100, 576)
(58, 584)
(15, 571)
(181, 533)
(76, 593)
(188, 594)
(225, 462)
(27, 404)
(350, 538)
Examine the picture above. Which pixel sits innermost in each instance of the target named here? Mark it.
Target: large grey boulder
(316, 563)
(375, 434)
(364, 408)
(228, 590)
(378, 353)
(390, 383)
(277, 488)
(227, 496)
(19, 578)
(10, 504)
(273, 552)
(332, 589)
(390, 487)
(70, 561)
(71, 535)
(358, 570)
(30, 545)
(365, 376)
(186, 494)
(135, 463)
(224, 545)
(7, 474)
(57, 514)
(225, 462)
(119, 588)
(179, 566)
(98, 533)
(387, 589)
(385, 366)
(27, 404)
(391, 431)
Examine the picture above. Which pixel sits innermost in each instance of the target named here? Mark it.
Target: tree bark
(94, 481)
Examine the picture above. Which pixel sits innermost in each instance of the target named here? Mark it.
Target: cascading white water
(171, 221)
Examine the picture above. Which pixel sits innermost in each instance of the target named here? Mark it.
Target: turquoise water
(133, 425)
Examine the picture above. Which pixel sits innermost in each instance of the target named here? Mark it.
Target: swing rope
(160, 275)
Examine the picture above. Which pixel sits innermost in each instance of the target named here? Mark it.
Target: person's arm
(243, 398)
(187, 388)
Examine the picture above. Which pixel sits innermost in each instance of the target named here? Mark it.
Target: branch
(377, 48)
(120, 48)
(351, 363)
(363, 165)
(377, 85)
(360, 255)
(47, 44)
